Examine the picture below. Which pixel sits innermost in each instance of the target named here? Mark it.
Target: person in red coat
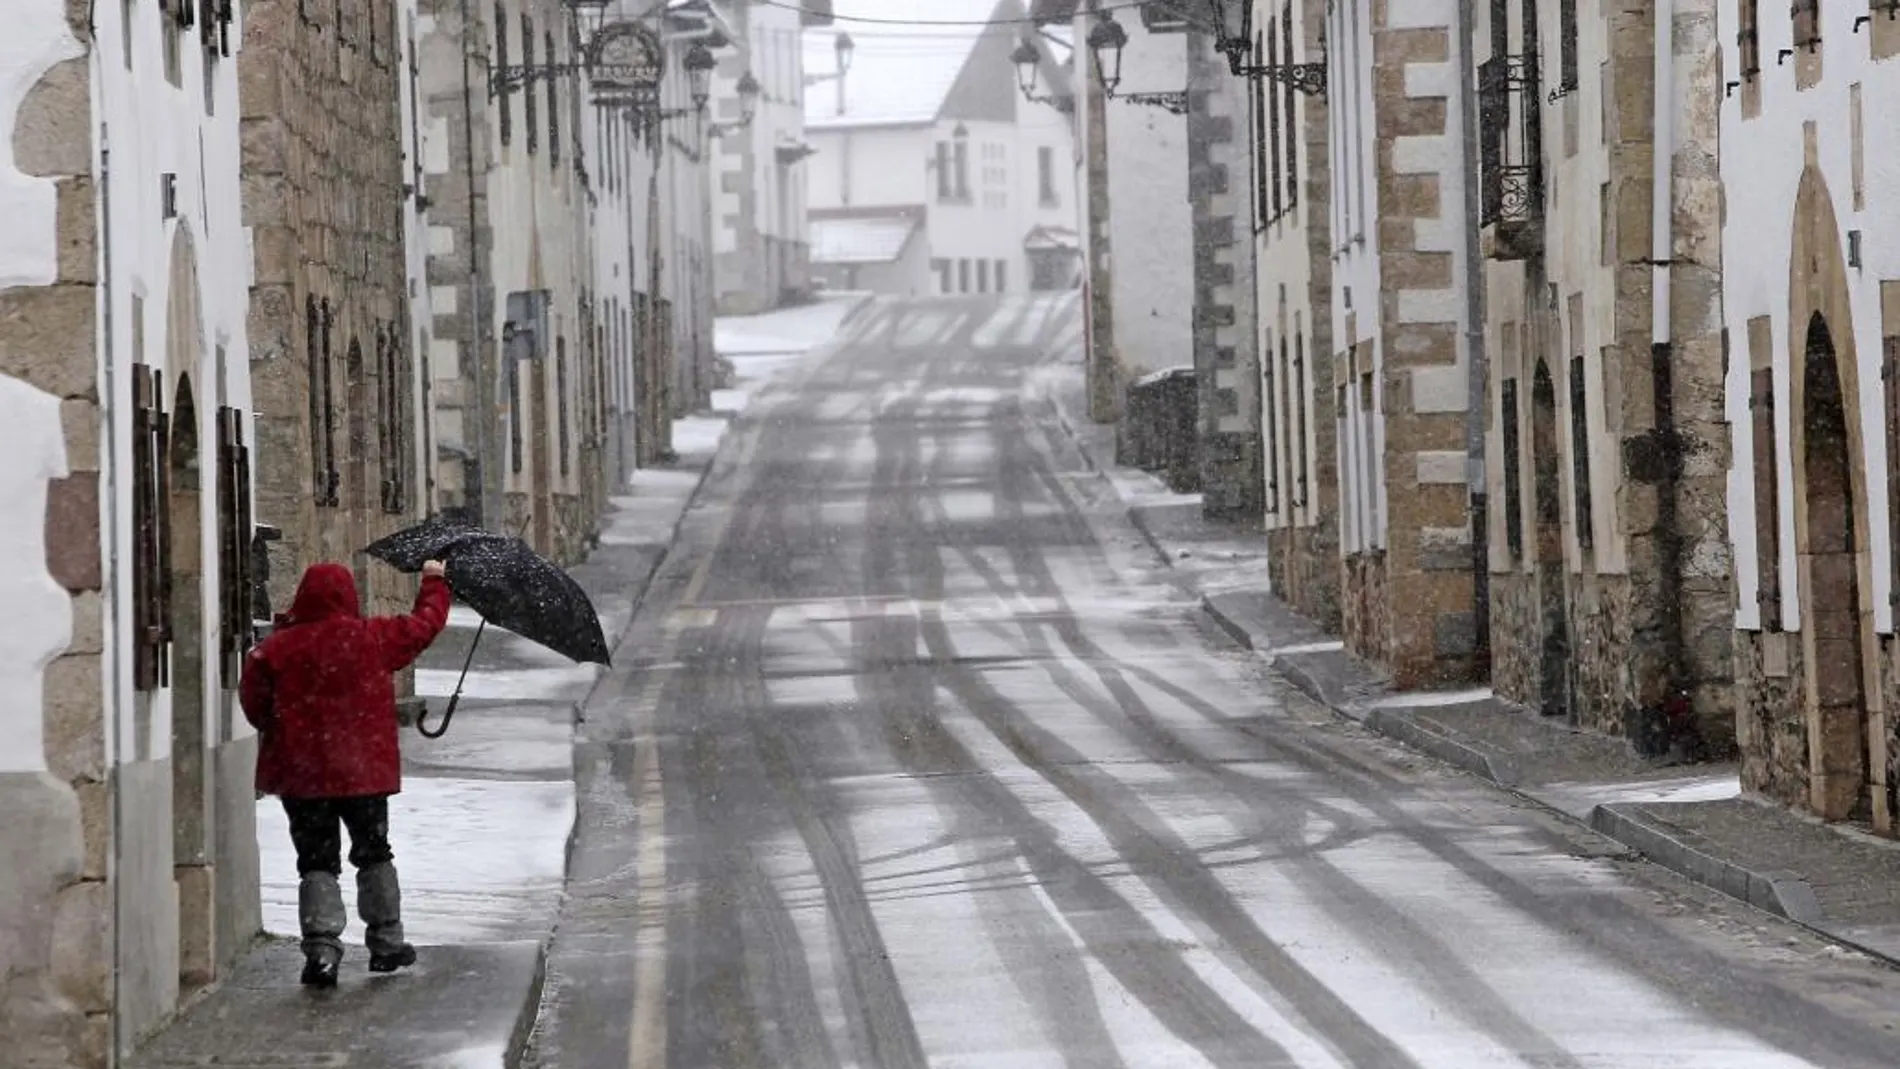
(320, 692)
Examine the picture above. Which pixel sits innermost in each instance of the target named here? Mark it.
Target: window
(946, 180)
(554, 111)
(982, 276)
(1807, 24)
(963, 276)
(1513, 492)
(1748, 38)
(504, 104)
(151, 529)
(1002, 272)
(174, 18)
(561, 441)
(1273, 124)
(1046, 177)
(530, 115)
(1580, 454)
(962, 152)
(942, 267)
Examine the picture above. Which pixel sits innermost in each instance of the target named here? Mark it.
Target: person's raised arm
(256, 689)
(403, 638)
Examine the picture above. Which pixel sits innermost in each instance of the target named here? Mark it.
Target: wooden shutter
(1890, 381)
(1580, 453)
(1807, 24)
(1291, 99)
(1297, 408)
(562, 438)
(1270, 408)
(1493, 111)
(1761, 404)
(144, 528)
(1274, 90)
(1513, 492)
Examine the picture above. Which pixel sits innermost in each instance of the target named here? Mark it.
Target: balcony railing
(1511, 154)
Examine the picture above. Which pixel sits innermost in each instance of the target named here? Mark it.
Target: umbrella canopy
(505, 581)
(407, 549)
(515, 588)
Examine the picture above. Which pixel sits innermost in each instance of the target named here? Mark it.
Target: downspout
(109, 707)
(484, 399)
(1477, 365)
(1662, 354)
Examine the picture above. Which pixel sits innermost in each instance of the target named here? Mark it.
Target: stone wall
(55, 986)
(1771, 721)
(1431, 637)
(1225, 357)
(323, 194)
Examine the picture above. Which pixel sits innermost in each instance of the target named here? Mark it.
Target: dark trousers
(315, 832)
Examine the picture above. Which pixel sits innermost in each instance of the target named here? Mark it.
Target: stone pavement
(1693, 819)
(481, 831)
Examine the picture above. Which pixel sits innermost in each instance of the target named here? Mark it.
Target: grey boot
(379, 902)
(321, 915)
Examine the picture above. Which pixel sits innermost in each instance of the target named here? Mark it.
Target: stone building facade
(130, 871)
(333, 365)
(569, 263)
(1608, 546)
(762, 238)
(1226, 363)
(1293, 261)
(1810, 253)
(1401, 364)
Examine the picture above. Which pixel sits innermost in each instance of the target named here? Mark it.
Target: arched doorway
(1830, 578)
(1554, 653)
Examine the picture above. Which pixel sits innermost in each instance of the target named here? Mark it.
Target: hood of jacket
(327, 589)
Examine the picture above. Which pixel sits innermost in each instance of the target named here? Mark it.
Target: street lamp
(699, 70)
(845, 47)
(1106, 40)
(1233, 35)
(590, 17)
(749, 89)
(1028, 61)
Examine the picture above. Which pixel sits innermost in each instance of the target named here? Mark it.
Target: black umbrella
(510, 585)
(410, 547)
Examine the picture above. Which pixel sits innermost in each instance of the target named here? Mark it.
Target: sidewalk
(481, 833)
(1693, 819)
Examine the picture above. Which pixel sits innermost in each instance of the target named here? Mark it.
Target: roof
(900, 74)
(864, 239)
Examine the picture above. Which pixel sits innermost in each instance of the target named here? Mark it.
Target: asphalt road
(915, 757)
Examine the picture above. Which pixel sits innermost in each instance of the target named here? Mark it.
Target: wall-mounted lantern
(749, 90)
(1233, 36)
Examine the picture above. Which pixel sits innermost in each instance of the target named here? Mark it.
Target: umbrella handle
(448, 714)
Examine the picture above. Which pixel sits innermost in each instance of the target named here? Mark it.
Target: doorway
(1837, 699)
(1553, 691)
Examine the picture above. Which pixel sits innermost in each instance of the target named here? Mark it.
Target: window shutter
(1513, 493)
(1297, 408)
(1807, 24)
(161, 618)
(1580, 453)
(1748, 38)
(1761, 406)
(1493, 110)
(1890, 381)
(144, 529)
(1291, 100)
(1270, 406)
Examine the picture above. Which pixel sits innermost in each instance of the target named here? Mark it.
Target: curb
(1783, 894)
(530, 1013)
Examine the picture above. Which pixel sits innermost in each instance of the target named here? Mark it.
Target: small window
(963, 276)
(982, 276)
(942, 268)
(946, 180)
(962, 152)
(1807, 24)
(1046, 177)
(1002, 272)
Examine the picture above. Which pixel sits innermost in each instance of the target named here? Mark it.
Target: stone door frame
(1818, 286)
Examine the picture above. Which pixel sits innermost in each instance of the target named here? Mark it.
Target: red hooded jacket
(320, 690)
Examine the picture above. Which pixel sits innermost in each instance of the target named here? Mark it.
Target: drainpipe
(1477, 366)
(1675, 706)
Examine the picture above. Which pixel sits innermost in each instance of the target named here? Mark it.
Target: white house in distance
(1810, 170)
(931, 174)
